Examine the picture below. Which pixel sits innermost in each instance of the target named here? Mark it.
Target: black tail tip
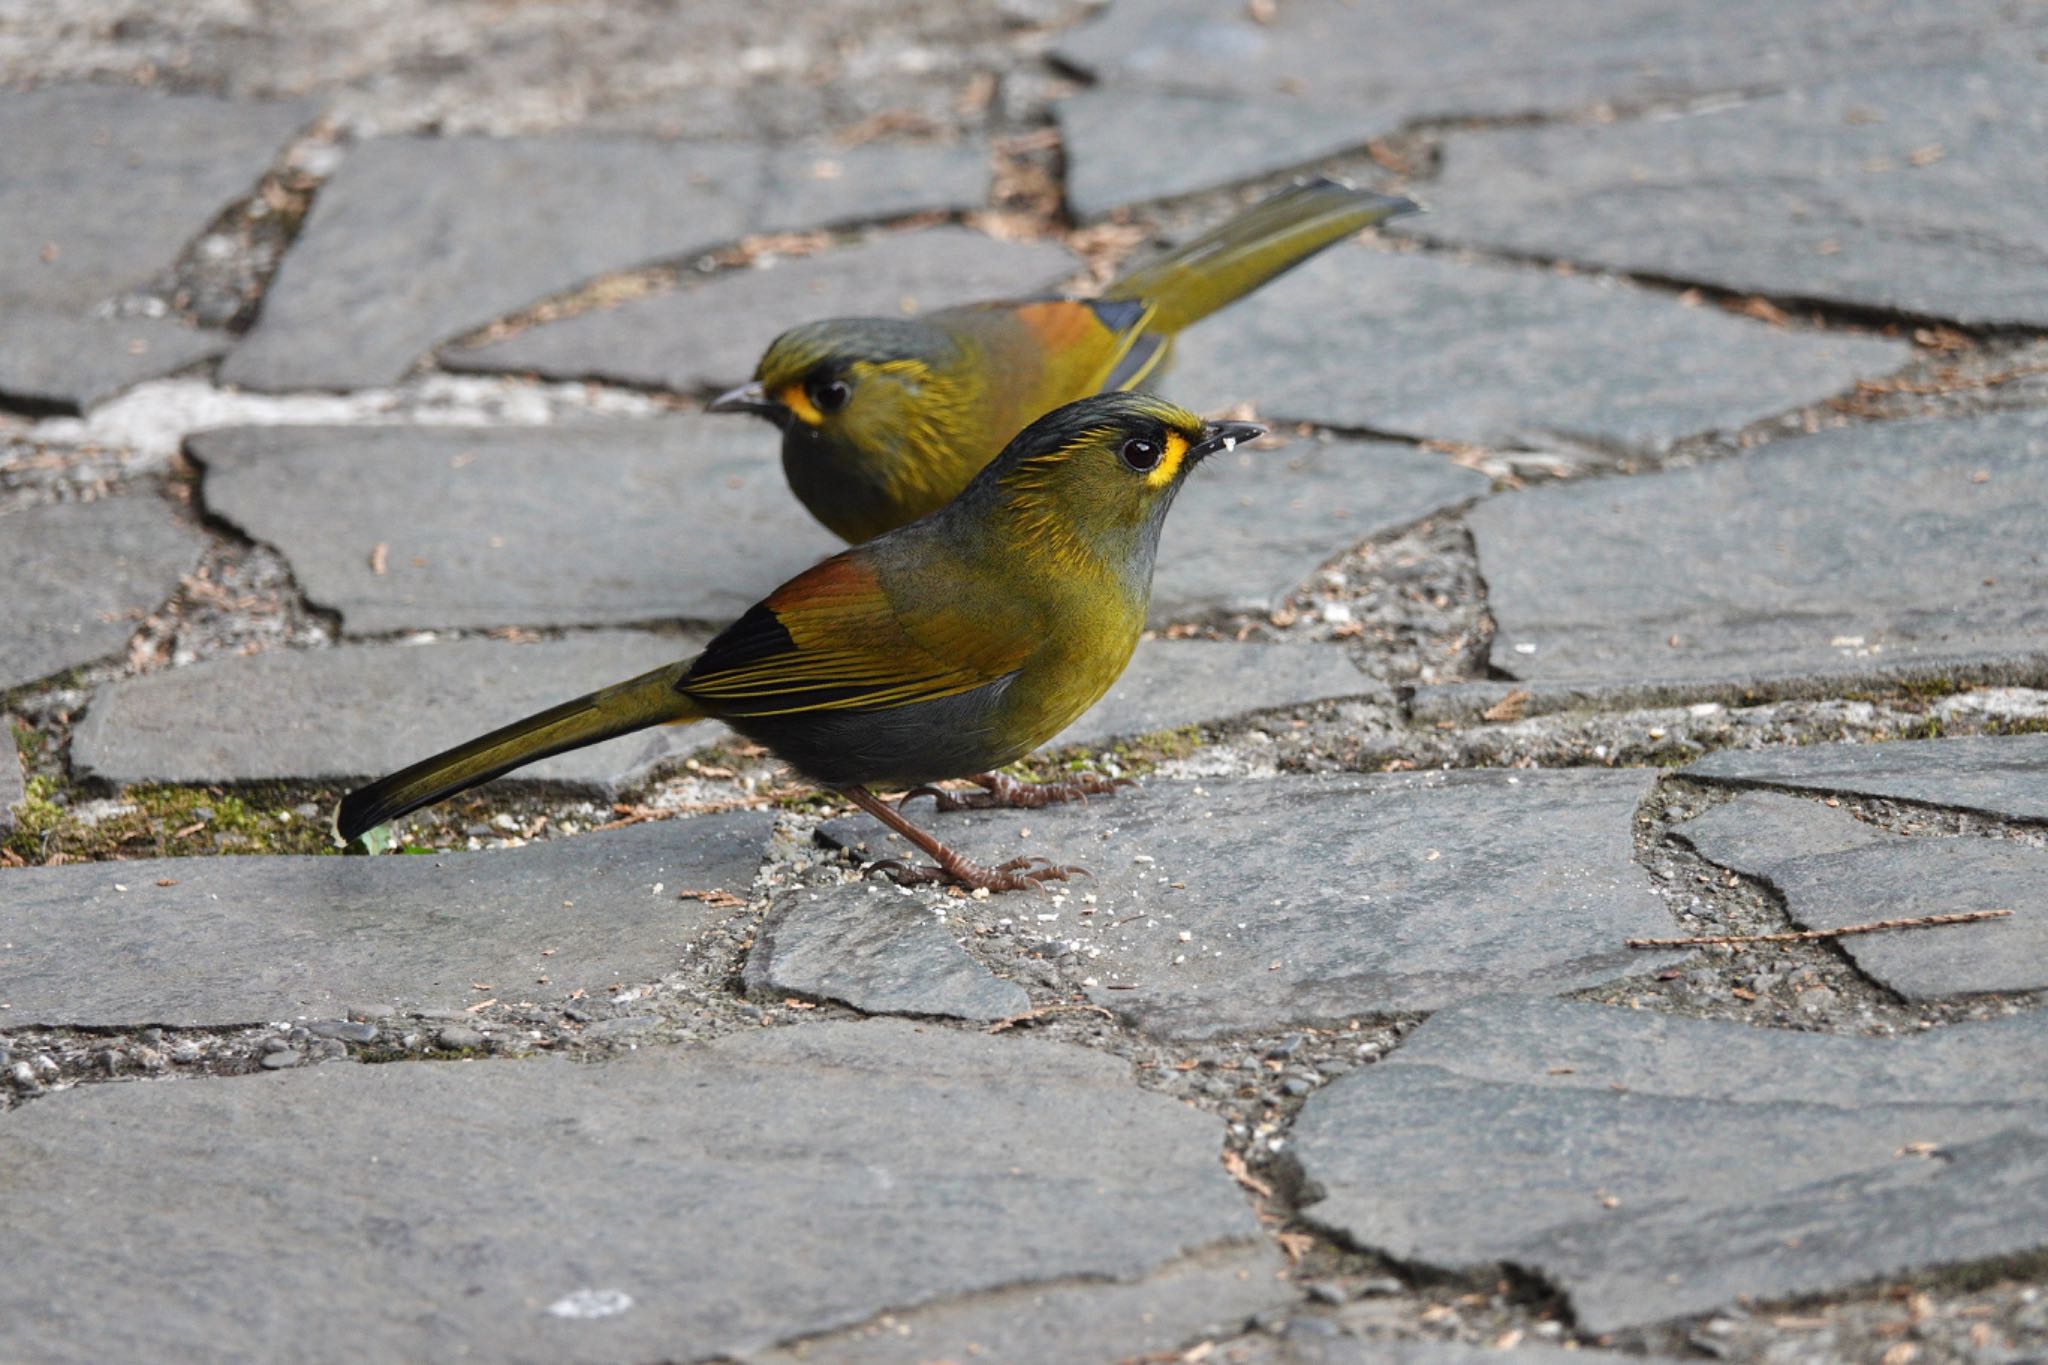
(358, 814)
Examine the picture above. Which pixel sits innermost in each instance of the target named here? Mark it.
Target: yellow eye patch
(1169, 460)
(797, 401)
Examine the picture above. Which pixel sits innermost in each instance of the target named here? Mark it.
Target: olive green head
(874, 415)
(849, 381)
(1098, 475)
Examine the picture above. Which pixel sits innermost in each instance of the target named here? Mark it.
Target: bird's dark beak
(1224, 436)
(748, 397)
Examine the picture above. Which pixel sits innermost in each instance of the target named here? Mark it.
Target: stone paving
(417, 240)
(352, 714)
(1841, 552)
(662, 1229)
(1652, 1166)
(98, 568)
(1652, 544)
(238, 940)
(1499, 357)
(1235, 907)
(1916, 191)
(706, 336)
(104, 189)
(1216, 91)
(1830, 868)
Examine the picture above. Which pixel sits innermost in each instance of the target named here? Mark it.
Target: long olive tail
(1268, 239)
(650, 699)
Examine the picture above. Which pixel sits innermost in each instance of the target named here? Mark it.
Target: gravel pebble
(343, 1029)
(626, 1026)
(459, 1039)
(278, 1061)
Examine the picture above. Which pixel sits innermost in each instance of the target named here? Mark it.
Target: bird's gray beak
(1387, 206)
(1219, 436)
(748, 397)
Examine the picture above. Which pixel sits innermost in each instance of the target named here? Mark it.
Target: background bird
(885, 419)
(949, 648)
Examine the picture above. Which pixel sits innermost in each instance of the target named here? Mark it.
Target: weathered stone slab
(1845, 551)
(1560, 1044)
(1653, 1166)
(1112, 135)
(682, 519)
(48, 361)
(1991, 673)
(686, 1204)
(83, 576)
(1245, 905)
(1923, 191)
(881, 952)
(104, 187)
(245, 940)
(1833, 869)
(1504, 357)
(417, 240)
(1206, 1296)
(1173, 683)
(709, 334)
(1246, 532)
(336, 715)
(1999, 775)
(1265, 93)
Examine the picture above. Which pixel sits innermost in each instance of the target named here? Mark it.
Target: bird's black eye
(828, 395)
(1140, 454)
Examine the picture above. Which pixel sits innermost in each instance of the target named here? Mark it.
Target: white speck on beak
(1229, 444)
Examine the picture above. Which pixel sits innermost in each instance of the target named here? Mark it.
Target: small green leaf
(377, 839)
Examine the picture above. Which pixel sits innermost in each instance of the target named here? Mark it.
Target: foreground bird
(954, 646)
(885, 419)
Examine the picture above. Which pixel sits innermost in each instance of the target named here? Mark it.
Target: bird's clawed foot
(1018, 874)
(1001, 791)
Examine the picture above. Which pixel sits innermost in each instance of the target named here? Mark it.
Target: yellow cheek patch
(797, 401)
(1169, 461)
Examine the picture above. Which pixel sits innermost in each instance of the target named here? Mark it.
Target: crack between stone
(1775, 894)
(984, 1293)
(1735, 786)
(1805, 312)
(666, 275)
